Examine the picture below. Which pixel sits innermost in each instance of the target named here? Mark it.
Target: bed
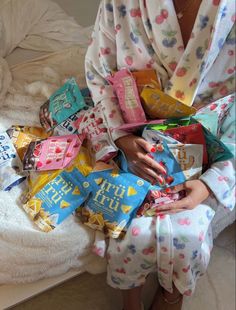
(51, 49)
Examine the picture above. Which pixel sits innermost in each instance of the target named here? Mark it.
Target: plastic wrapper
(94, 127)
(128, 97)
(156, 198)
(37, 180)
(10, 164)
(190, 158)
(70, 125)
(58, 199)
(21, 136)
(191, 134)
(52, 153)
(164, 157)
(146, 78)
(65, 102)
(157, 104)
(114, 201)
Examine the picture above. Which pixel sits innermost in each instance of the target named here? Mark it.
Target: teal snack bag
(66, 101)
(216, 150)
(114, 201)
(58, 199)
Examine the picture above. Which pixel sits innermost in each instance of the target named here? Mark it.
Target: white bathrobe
(140, 34)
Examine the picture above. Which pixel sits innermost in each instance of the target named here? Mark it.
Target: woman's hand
(196, 193)
(141, 163)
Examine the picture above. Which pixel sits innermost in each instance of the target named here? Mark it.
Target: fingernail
(164, 172)
(153, 149)
(168, 190)
(149, 155)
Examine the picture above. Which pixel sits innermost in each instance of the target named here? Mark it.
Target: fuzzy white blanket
(27, 254)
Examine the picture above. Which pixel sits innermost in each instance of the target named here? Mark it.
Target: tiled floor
(215, 291)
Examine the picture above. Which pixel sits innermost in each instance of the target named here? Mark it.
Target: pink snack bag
(93, 126)
(52, 153)
(127, 92)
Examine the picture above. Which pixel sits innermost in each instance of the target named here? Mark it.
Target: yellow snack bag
(157, 104)
(21, 136)
(55, 196)
(37, 180)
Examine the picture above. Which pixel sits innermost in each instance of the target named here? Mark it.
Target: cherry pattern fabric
(137, 35)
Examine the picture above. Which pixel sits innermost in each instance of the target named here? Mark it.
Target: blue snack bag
(114, 201)
(58, 199)
(10, 164)
(164, 157)
(66, 101)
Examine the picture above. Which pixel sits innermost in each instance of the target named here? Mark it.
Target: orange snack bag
(146, 78)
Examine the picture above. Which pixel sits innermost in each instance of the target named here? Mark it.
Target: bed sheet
(27, 254)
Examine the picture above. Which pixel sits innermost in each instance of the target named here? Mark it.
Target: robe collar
(186, 68)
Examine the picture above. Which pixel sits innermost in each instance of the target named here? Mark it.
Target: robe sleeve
(100, 62)
(220, 177)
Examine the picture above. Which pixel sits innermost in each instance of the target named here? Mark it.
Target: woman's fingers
(148, 160)
(146, 146)
(183, 204)
(144, 172)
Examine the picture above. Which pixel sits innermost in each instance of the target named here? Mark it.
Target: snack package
(21, 136)
(58, 199)
(37, 180)
(93, 126)
(189, 157)
(52, 153)
(65, 102)
(191, 134)
(10, 164)
(164, 157)
(70, 125)
(146, 78)
(126, 89)
(157, 104)
(157, 198)
(114, 200)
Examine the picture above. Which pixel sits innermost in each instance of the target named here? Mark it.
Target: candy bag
(37, 180)
(52, 153)
(157, 198)
(164, 157)
(157, 104)
(146, 78)
(189, 157)
(93, 126)
(10, 164)
(65, 102)
(191, 134)
(126, 89)
(114, 200)
(70, 125)
(58, 199)
(21, 136)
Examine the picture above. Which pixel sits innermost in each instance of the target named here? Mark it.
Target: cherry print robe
(140, 34)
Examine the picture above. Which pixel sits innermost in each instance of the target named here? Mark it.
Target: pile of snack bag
(73, 167)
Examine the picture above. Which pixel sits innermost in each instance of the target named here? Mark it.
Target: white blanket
(27, 254)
